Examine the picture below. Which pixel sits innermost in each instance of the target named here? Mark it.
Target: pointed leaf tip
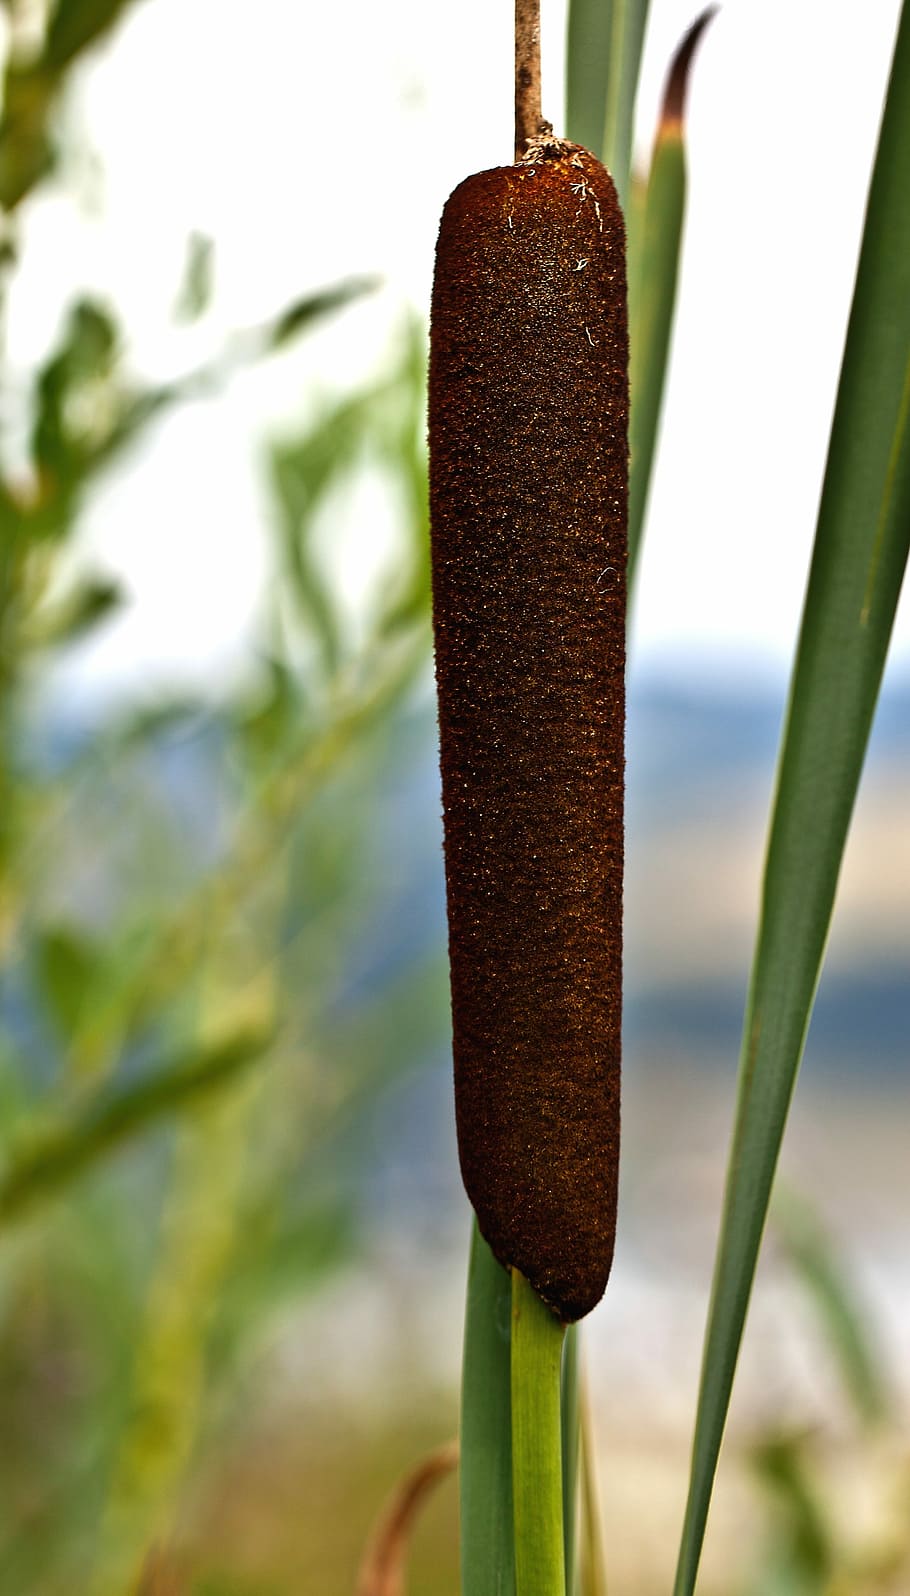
(674, 102)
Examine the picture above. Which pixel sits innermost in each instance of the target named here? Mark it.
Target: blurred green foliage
(178, 885)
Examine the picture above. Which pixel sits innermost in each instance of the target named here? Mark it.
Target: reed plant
(519, 1427)
(170, 1073)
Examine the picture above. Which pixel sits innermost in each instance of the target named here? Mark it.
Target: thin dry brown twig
(528, 114)
(382, 1569)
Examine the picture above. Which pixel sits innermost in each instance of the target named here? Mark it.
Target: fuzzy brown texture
(528, 485)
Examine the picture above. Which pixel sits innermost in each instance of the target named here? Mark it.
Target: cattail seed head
(528, 487)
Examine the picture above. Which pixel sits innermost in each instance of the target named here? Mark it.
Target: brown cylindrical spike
(528, 486)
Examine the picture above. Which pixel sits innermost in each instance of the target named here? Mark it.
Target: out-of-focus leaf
(629, 19)
(588, 48)
(407, 599)
(302, 473)
(89, 603)
(67, 968)
(303, 313)
(29, 93)
(858, 562)
(64, 422)
(810, 1251)
(804, 1555)
(275, 716)
(76, 24)
(195, 293)
(116, 1116)
(279, 1257)
(26, 152)
(603, 62)
(296, 505)
(654, 269)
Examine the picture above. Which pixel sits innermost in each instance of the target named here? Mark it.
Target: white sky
(317, 142)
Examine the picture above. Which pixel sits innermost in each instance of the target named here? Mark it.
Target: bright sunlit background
(311, 146)
(220, 806)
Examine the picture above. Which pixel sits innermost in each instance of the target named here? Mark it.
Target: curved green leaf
(653, 273)
(861, 549)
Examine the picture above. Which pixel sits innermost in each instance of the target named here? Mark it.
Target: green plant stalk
(657, 272)
(485, 1469)
(571, 1444)
(537, 1344)
(861, 548)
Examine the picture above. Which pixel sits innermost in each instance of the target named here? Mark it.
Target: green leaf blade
(652, 321)
(590, 30)
(860, 554)
(571, 1452)
(602, 65)
(485, 1470)
(537, 1480)
(654, 258)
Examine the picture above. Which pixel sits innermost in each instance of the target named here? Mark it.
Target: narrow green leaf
(64, 414)
(305, 312)
(115, 1117)
(303, 472)
(593, 1569)
(603, 61)
(195, 292)
(90, 601)
(811, 1253)
(653, 273)
(485, 1470)
(629, 19)
(77, 24)
(26, 152)
(571, 1444)
(537, 1342)
(588, 47)
(860, 553)
(803, 1555)
(66, 966)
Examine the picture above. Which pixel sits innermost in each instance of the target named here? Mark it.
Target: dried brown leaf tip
(673, 109)
(528, 486)
(382, 1571)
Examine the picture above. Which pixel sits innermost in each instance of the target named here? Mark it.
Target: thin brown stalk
(528, 114)
(382, 1569)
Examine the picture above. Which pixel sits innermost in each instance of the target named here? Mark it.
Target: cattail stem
(528, 114)
(537, 1344)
